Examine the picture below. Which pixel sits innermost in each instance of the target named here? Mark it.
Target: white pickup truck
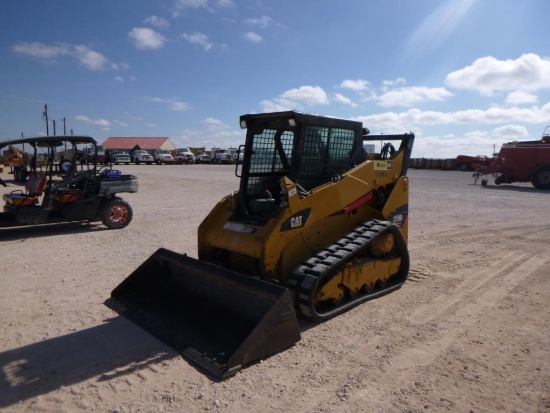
(142, 156)
(163, 156)
(118, 157)
(220, 155)
(184, 155)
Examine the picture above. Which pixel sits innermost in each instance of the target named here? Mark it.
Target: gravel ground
(468, 332)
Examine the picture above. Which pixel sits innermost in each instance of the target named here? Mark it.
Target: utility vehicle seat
(34, 188)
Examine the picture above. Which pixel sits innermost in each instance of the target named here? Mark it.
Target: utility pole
(53, 121)
(45, 114)
(64, 126)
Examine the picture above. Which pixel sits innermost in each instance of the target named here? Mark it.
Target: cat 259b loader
(316, 227)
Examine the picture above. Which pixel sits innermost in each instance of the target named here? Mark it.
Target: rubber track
(307, 276)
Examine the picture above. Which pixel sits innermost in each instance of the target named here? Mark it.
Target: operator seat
(34, 188)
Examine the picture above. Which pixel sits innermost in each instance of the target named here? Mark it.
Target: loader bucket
(220, 319)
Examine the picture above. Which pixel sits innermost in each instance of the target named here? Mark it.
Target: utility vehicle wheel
(65, 165)
(116, 213)
(541, 177)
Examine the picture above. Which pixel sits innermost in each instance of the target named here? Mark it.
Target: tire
(137, 161)
(116, 213)
(541, 177)
(65, 165)
(463, 167)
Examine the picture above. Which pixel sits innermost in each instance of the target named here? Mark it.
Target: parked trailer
(473, 163)
(527, 161)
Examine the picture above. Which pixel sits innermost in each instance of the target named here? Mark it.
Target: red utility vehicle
(527, 161)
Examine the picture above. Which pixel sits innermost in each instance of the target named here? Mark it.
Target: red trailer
(527, 161)
(473, 163)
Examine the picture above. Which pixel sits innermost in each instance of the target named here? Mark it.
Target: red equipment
(527, 161)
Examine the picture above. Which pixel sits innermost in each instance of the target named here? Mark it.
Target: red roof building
(127, 143)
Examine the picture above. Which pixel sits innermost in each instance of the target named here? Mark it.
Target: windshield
(164, 152)
(270, 160)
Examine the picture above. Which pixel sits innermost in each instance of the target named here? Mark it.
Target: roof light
(292, 122)
(243, 124)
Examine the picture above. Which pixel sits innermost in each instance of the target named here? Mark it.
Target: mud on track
(467, 332)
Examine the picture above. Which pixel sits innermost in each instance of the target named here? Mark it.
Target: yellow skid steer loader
(317, 227)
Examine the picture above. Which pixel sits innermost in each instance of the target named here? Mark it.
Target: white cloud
(253, 37)
(173, 104)
(226, 3)
(395, 82)
(212, 121)
(91, 59)
(296, 99)
(119, 79)
(216, 125)
(261, 22)
(510, 132)
(488, 75)
(356, 85)
(411, 95)
(158, 22)
(42, 51)
(146, 38)
(338, 97)
(518, 97)
(199, 39)
(104, 124)
(120, 123)
(395, 122)
(179, 6)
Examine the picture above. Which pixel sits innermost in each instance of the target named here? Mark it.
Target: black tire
(116, 213)
(137, 161)
(65, 165)
(541, 177)
(463, 167)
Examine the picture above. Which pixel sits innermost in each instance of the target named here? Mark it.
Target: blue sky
(462, 75)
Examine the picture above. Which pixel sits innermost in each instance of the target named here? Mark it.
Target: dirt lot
(468, 332)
